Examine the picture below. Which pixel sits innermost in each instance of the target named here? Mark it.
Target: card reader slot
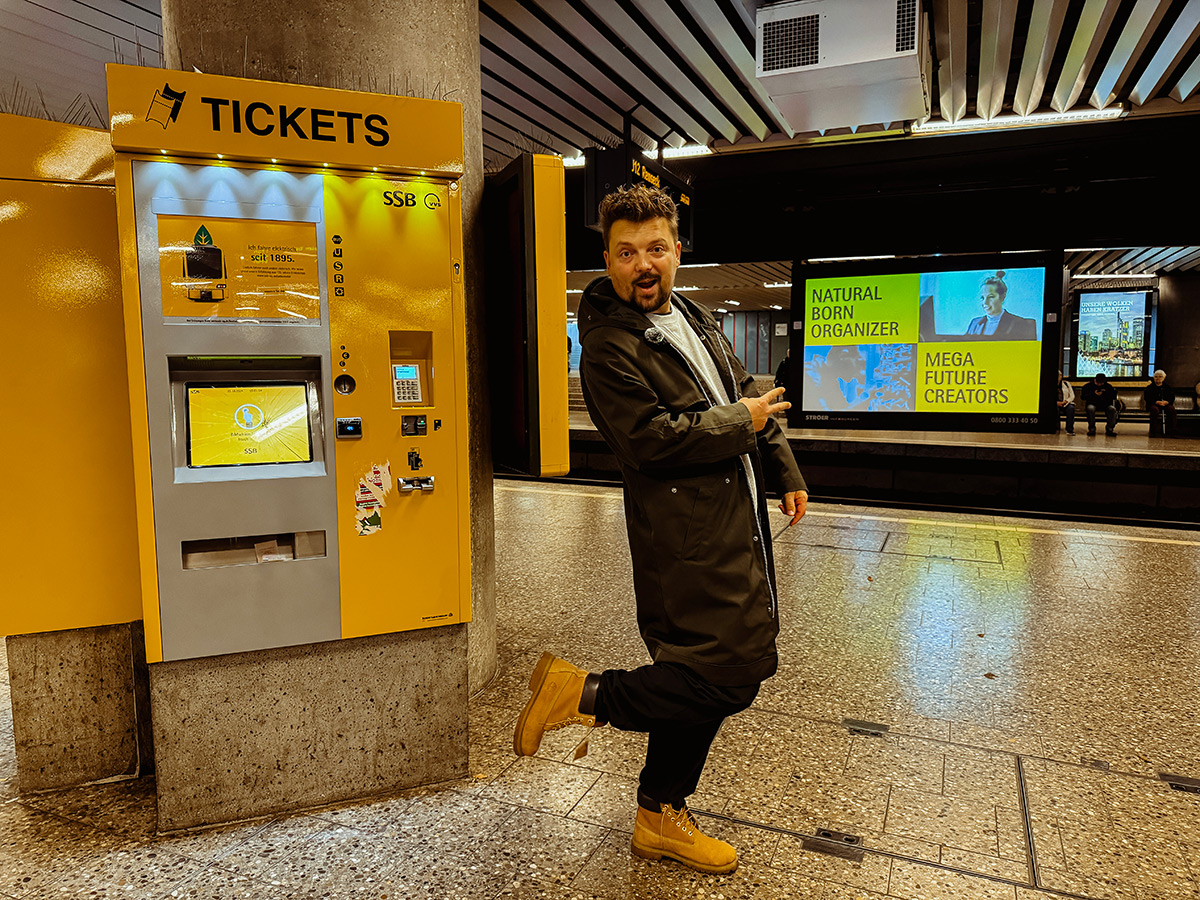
(252, 550)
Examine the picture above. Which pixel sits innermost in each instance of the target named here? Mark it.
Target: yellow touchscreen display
(236, 425)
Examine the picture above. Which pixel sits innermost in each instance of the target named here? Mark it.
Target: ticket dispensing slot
(250, 550)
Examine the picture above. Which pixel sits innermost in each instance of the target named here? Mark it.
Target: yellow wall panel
(69, 528)
(550, 238)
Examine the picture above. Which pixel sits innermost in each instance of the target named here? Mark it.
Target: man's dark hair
(1101, 378)
(638, 204)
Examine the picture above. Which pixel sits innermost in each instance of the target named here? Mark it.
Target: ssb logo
(403, 199)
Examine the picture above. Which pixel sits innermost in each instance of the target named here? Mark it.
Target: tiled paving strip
(812, 839)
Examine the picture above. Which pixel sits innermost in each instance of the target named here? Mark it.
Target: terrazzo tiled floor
(1034, 677)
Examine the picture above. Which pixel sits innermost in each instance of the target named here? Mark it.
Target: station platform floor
(988, 705)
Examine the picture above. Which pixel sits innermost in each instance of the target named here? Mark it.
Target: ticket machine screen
(247, 424)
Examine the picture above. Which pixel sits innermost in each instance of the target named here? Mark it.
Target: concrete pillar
(76, 699)
(398, 701)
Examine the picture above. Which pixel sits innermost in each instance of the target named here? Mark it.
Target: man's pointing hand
(762, 408)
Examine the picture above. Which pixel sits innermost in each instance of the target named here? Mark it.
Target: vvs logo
(164, 108)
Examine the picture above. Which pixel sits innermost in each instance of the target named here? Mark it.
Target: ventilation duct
(844, 63)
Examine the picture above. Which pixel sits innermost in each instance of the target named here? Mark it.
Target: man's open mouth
(647, 283)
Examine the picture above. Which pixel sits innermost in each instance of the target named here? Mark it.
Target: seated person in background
(1099, 394)
(1066, 402)
(997, 323)
(1160, 403)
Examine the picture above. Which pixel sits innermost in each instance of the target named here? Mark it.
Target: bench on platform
(1132, 404)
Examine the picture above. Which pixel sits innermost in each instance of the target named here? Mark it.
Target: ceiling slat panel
(1094, 23)
(1177, 256)
(711, 17)
(1095, 264)
(527, 125)
(1135, 37)
(1085, 262)
(1189, 262)
(1045, 27)
(1123, 264)
(54, 30)
(1186, 85)
(686, 45)
(950, 37)
(545, 143)
(630, 71)
(564, 81)
(1174, 48)
(533, 112)
(1139, 261)
(131, 14)
(76, 18)
(542, 41)
(36, 45)
(995, 48)
(1160, 257)
(506, 73)
(545, 41)
(651, 54)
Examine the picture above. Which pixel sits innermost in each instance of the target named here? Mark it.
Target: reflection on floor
(1013, 685)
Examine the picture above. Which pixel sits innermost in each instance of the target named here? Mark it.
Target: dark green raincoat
(701, 545)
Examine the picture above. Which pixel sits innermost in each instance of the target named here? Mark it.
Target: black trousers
(682, 713)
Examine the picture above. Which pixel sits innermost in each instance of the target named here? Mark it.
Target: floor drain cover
(1181, 782)
(870, 729)
(835, 843)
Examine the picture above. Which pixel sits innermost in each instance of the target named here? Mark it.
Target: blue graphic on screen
(872, 377)
(984, 304)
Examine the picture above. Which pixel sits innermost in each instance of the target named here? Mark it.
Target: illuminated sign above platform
(607, 170)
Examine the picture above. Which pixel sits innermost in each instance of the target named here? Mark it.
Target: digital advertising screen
(1113, 334)
(247, 424)
(946, 344)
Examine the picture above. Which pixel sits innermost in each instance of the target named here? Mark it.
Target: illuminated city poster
(248, 424)
(1113, 334)
(946, 341)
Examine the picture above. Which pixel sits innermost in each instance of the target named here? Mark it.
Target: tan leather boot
(674, 833)
(558, 689)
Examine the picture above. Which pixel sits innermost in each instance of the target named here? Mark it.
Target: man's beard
(656, 302)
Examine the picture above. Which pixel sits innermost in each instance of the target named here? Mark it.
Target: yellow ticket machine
(292, 275)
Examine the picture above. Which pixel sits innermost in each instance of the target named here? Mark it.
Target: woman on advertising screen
(997, 323)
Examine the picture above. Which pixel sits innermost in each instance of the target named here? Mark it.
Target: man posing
(698, 448)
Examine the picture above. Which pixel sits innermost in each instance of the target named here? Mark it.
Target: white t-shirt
(683, 338)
